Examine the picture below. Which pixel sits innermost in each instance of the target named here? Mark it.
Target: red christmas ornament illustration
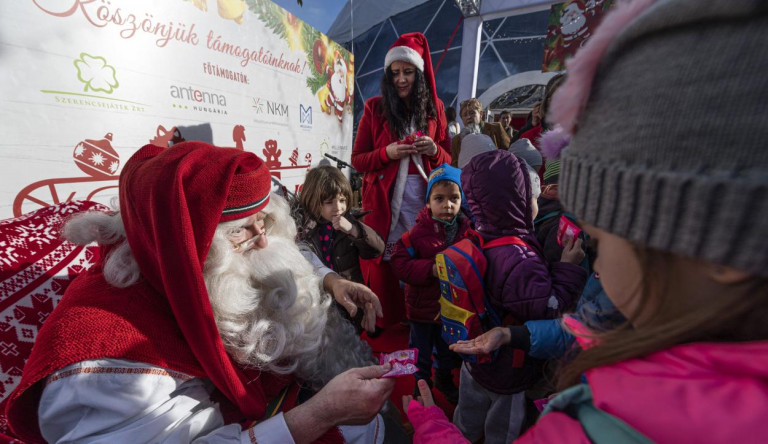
(319, 51)
(97, 158)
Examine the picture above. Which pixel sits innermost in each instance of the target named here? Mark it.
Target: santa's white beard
(272, 314)
(572, 21)
(339, 82)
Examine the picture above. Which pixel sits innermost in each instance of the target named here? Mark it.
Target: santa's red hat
(171, 200)
(414, 49)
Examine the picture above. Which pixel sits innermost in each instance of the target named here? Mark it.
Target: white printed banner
(86, 83)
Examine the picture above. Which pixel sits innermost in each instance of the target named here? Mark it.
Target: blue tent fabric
(510, 45)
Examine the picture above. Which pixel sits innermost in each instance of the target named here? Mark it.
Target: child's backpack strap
(553, 214)
(406, 238)
(506, 240)
(599, 425)
(547, 216)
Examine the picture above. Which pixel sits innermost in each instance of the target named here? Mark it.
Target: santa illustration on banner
(570, 25)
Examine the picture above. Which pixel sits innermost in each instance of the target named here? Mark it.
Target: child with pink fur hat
(667, 170)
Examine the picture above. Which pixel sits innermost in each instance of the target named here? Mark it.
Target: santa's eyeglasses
(237, 236)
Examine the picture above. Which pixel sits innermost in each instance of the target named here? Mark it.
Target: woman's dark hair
(450, 114)
(396, 111)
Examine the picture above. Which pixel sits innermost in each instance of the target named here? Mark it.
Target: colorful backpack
(464, 308)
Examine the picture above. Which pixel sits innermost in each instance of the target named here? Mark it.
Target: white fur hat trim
(404, 54)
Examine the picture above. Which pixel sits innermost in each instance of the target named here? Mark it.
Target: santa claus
(202, 322)
(573, 23)
(336, 91)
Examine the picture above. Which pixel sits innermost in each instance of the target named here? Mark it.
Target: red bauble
(97, 158)
(319, 50)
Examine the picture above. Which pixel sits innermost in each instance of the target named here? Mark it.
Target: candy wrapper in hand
(410, 138)
(403, 362)
(567, 231)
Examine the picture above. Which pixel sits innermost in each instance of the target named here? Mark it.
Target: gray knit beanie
(524, 149)
(670, 145)
(472, 145)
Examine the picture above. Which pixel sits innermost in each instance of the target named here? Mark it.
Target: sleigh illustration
(100, 162)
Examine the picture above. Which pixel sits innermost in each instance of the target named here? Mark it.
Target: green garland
(272, 16)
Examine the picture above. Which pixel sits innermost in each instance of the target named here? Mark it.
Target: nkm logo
(197, 95)
(273, 108)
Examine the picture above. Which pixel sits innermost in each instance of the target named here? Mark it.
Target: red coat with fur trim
(369, 156)
(422, 289)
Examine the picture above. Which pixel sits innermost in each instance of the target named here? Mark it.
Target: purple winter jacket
(519, 281)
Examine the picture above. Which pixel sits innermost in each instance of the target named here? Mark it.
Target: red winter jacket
(369, 156)
(422, 289)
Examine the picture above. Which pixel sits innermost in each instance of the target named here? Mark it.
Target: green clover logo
(96, 74)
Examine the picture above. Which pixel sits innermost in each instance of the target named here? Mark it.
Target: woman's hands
(426, 146)
(423, 146)
(397, 151)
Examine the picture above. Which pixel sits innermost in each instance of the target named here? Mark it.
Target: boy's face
(444, 200)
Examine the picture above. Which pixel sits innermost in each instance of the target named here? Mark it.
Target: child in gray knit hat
(667, 168)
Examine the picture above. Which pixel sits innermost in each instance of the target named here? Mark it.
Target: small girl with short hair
(331, 230)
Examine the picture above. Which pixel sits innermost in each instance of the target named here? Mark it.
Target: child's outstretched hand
(425, 399)
(483, 344)
(572, 251)
(342, 224)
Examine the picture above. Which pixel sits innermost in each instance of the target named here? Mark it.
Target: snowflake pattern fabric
(36, 266)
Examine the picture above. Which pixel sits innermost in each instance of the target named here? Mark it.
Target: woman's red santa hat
(414, 49)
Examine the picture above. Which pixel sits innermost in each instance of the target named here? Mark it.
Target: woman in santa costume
(396, 166)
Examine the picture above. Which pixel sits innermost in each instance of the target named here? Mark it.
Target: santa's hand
(342, 224)
(485, 343)
(352, 295)
(425, 145)
(353, 397)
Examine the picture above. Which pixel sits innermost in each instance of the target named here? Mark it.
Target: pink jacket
(703, 392)
(431, 426)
